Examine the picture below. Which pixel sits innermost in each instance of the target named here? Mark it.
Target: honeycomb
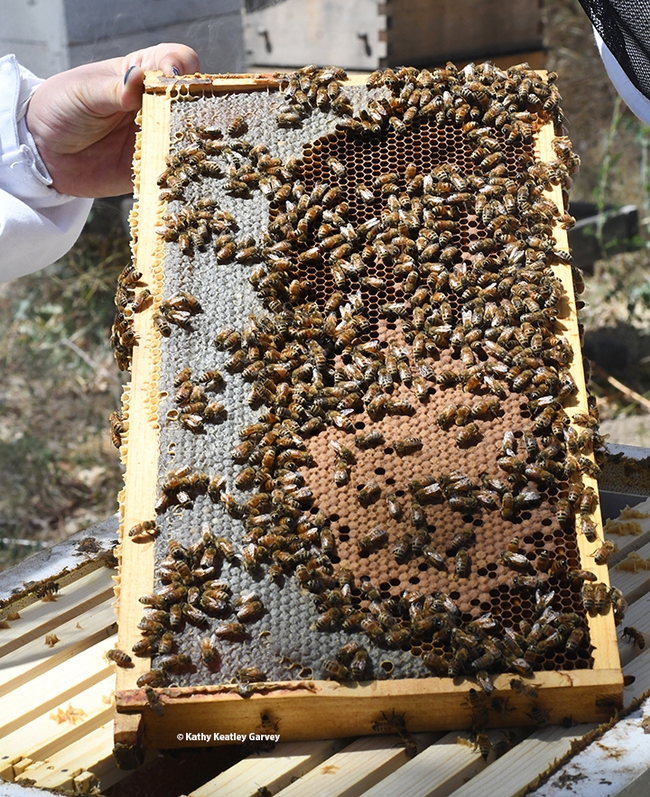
(366, 466)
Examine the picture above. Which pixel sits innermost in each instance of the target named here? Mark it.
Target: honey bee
(539, 715)
(365, 194)
(152, 678)
(393, 506)
(634, 635)
(179, 661)
(581, 575)
(588, 596)
(602, 598)
(341, 473)
(231, 631)
(141, 300)
(588, 528)
(462, 539)
(120, 658)
(215, 487)
(409, 445)
(119, 425)
(574, 639)
(250, 675)
(527, 582)
(518, 561)
(563, 511)
(152, 698)
(376, 538)
(602, 554)
(47, 592)
(175, 616)
(507, 506)
(161, 323)
(588, 501)
(434, 662)
(527, 690)
(336, 670)
(250, 611)
(359, 664)
(336, 167)
(522, 667)
(369, 493)
(370, 439)
(343, 452)
(468, 435)
(165, 643)
(237, 127)
(145, 531)
(462, 564)
(402, 548)
(619, 604)
(129, 276)
(328, 620)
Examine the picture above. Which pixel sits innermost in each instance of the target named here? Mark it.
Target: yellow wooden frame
(301, 709)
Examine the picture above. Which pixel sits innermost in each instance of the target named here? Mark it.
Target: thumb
(132, 88)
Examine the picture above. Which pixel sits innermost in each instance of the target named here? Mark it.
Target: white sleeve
(37, 224)
(638, 103)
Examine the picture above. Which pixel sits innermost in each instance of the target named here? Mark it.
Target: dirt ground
(58, 381)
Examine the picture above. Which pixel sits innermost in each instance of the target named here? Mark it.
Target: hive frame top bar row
(156, 82)
(430, 703)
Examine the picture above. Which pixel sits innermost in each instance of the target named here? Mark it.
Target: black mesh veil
(624, 26)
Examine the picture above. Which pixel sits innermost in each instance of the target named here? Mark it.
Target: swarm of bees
(191, 593)
(195, 407)
(486, 306)
(119, 425)
(123, 337)
(311, 88)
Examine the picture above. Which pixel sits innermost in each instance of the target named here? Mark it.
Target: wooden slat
(602, 633)
(431, 704)
(44, 736)
(139, 496)
(35, 657)
(352, 771)
(90, 761)
(42, 617)
(638, 616)
(632, 585)
(435, 772)
(275, 769)
(519, 768)
(629, 542)
(47, 690)
(639, 669)
(157, 83)
(91, 753)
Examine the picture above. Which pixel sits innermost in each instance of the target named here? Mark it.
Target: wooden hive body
(583, 684)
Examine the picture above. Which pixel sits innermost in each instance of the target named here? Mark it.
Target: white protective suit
(37, 224)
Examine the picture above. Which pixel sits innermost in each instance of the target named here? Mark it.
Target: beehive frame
(342, 709)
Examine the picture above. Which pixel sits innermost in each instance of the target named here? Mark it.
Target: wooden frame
(341, 710)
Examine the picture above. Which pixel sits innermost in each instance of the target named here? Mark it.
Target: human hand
(83, 124)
